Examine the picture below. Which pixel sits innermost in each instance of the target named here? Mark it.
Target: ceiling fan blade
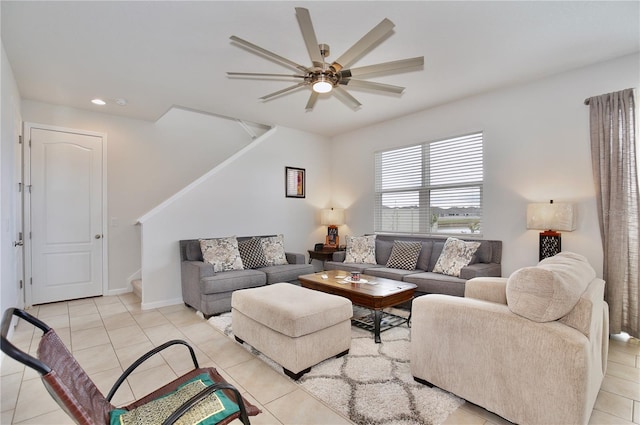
(259, 74)
(309, 35)
(279, 92)
(312, 101)
(369, 39)
(371, 85)
(268, 53)
(382, 67)
(349, 100)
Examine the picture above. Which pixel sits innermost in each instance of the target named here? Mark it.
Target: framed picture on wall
(294, 182)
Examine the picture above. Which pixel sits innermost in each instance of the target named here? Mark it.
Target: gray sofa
(210, 292)
(485, 262)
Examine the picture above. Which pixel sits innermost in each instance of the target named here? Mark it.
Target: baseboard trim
(158, 304)
(121, 291)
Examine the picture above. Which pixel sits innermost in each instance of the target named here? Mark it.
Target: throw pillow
(404, 255)
(361, 249)
(455, 255)
(222, 253)
(252, 254)
(273, 248)
(551, 289)
(213, 409)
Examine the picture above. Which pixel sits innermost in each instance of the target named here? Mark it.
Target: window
(430, 188)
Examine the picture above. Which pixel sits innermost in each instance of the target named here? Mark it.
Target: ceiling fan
(322, 77)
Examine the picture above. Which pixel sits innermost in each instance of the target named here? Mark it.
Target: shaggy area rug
(372, 384)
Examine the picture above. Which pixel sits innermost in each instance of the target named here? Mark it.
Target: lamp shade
(332, 216)
(551, 216)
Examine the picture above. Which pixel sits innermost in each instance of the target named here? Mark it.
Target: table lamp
(551, 218)
(332, 217)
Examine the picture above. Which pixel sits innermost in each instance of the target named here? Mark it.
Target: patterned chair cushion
(455, 255)
(214, 408)
(361, 249)
(222, 253)
(404, 255)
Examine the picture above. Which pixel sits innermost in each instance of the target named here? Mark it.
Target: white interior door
(66, 215)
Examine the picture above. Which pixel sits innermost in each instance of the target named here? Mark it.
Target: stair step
(137, 287)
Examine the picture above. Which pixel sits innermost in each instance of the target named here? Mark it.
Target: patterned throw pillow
(361, 249)
(404, 255)
(252, 254)
(455, 255)
(273, 248)
(222, 253)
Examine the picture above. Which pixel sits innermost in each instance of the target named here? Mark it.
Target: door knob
(18, 243)
(98, 236)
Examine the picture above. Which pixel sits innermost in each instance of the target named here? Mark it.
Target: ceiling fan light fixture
(321, 77)
(322, 85)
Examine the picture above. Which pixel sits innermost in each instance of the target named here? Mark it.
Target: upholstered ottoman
(295, 327)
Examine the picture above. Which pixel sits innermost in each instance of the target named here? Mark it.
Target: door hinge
(20, 283)
(29, 142)
(19, 187)
(31, 281)
(20, 139)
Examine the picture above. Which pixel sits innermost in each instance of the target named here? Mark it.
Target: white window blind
(434, 187)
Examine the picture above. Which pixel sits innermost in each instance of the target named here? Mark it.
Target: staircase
(137, 287)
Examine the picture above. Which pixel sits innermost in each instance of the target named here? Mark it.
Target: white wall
(243, 197)
(146, 163)
(536, 149)
(10, 293)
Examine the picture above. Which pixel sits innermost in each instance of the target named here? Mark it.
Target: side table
(322, 255)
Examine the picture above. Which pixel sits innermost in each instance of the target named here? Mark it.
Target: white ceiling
(163, 54)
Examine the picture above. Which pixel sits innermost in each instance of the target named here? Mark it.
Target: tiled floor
(108, 333)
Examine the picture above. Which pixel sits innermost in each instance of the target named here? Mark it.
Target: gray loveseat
(210, 292)
(485, 262)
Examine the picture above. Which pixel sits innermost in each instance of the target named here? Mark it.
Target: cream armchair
(531, 348)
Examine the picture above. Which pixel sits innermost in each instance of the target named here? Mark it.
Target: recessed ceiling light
(121, 101)
(98, 102)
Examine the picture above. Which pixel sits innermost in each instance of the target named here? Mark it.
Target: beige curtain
(613, 155)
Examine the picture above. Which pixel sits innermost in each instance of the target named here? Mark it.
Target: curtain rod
(586, 101)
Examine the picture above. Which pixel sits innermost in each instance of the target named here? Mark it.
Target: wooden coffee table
(376, 294)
